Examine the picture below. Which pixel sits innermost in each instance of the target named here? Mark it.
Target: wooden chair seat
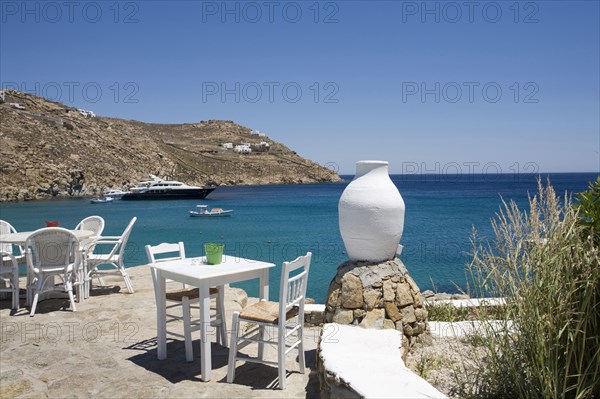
(266, 312)
(191, 293)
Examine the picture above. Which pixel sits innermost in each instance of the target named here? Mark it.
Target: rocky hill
(48, 149)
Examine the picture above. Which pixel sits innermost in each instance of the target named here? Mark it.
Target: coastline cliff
(51, 150)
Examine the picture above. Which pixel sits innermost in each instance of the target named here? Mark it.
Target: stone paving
(107, 349)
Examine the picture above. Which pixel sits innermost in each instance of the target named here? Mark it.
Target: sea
(280, 222)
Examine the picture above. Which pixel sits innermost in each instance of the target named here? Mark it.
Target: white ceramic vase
(371, 214)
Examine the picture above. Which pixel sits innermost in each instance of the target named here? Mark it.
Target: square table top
(198, 268)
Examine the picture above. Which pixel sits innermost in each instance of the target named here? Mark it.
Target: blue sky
(439, 86)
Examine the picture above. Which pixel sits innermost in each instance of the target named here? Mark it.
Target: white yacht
(114, 193)
(157, 188)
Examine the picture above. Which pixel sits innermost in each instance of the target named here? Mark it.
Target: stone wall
(379, 295)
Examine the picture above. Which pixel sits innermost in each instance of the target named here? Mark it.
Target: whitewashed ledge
(313, 314)
(466, 303)
(354, 362)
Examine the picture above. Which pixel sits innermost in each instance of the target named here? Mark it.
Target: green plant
(450, 313)
(548, 270)
(447, 312)
(588, 206)
(429, 362)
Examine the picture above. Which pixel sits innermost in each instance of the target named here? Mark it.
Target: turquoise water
(277, 223)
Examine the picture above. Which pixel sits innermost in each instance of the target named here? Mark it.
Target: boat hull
(174, 194)
(102, 201)
(114, 196)
(209, 214)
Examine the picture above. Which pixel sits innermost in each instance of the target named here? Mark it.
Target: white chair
(183, 297)
(9, 275)
(51, 252)
(92, 223)
(9, 264)
(287, 316)
(114, 258)
(19, 255)
(95, 224)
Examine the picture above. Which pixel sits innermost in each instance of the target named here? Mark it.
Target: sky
(431, 87)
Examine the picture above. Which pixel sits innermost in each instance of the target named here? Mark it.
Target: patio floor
(108, 349)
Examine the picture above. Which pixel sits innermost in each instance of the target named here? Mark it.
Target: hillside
(49, 149)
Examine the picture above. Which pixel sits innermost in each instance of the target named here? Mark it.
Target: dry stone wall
(381, 295)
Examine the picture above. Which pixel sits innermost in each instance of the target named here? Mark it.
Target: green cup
(214, 253)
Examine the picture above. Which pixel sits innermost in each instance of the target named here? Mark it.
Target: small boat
(203, 211)
(114, 193)
(101, 200)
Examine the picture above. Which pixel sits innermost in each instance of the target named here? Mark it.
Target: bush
(547, 265)
(447, 312)
(588, 207)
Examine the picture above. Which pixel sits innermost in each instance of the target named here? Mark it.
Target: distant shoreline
(88, 196)
(346, 178)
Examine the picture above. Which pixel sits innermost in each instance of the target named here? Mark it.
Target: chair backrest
(158, 253)
(164, 252)
(121, 243)
(92, 223)
(292, 290)
(52, 247)
(6, 228)
(125, 236)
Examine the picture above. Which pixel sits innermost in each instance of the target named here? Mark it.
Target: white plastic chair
(9, 275)
(92, 223)
(292, 292)
(95, 224)
(9, 265)
(50, 252)
(19, 255)
(183, 297)
(114, 258)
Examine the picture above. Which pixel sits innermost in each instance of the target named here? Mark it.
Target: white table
(197, 273)
(20, 237)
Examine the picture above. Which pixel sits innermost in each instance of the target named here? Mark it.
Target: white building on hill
(243, 149)
(86, 113)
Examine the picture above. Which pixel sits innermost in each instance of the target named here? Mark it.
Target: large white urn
(371, 214)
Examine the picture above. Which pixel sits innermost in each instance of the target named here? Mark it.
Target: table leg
(87, 282)
(264, 295)
(81, 278)
(205, 353)
(222, 329)
(264, 285)
(161, 313)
